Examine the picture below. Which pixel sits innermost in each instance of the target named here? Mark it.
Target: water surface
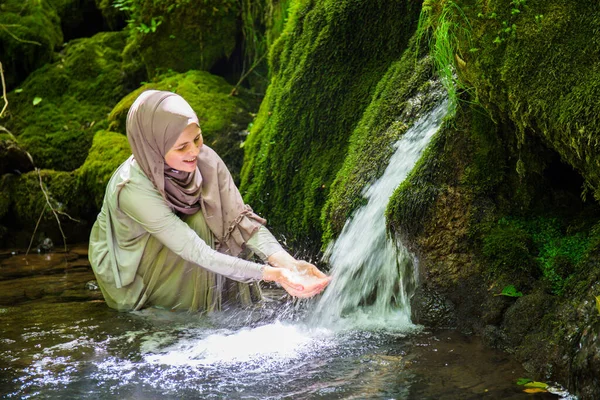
(85, 350)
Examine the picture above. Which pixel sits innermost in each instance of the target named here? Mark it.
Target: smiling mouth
(191, 160)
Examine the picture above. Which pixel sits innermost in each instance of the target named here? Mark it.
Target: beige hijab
(154, 122)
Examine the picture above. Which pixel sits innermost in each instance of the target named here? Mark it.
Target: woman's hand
(300, 272)
(284, 278)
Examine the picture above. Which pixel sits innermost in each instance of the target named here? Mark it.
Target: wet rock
(432, 309)
(45, 246)
(525, 315)
(92, 285)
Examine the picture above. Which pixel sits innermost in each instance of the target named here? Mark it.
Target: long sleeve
(144, 205)
(263, 243)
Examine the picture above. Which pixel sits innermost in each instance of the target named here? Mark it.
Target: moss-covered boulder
(223, 117)
(33, 196)
(108, 151)
(56, 111)
(30, 35)
(535, 62)
(180, 35)
(324, 72)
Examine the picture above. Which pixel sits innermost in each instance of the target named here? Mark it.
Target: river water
(355, 342)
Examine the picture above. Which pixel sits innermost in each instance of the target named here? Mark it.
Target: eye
(182, 148)
(197, 139)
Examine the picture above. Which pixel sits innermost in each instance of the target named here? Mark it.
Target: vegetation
(324, 72)
(178, 35)
(30, 34)
(56, 111)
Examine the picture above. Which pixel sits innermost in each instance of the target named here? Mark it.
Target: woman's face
(182, 156)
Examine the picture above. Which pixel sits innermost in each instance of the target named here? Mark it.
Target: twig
(246, 74)
(35, 230)
(4, 26)
(3, 92)
(52, 209)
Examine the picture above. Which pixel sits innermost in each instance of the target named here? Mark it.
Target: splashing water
(371, 274)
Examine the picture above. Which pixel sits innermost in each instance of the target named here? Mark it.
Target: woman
(173, 223)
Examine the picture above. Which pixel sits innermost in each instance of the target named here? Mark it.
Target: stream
(59, 340)
(84, 350)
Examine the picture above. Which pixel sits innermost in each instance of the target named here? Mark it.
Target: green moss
(324, 72)
(508, 248)
(29, 36)
(222, 117)
(108, 151)
(404, 92)
(181, 35)
(61, 189)
(543, 76)
(74, 96)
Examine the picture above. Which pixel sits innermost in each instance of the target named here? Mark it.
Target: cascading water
(371, 273)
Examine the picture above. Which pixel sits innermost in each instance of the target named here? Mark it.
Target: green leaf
(510, 291)
(538, 385)
(522, 381)
(598, 304)
(36, 101)
(18, 90)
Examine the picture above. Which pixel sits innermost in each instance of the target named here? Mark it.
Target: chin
(188, 168)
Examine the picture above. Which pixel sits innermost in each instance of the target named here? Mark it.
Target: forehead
(188, 134)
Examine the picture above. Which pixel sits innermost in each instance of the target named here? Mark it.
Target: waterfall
(371, 275)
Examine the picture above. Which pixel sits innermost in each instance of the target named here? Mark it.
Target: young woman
(173, 223)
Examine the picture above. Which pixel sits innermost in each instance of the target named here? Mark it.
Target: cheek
(171, 159)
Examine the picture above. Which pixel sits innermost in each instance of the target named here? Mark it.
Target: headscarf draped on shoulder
(154, 122)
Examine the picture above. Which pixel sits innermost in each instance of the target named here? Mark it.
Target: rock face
(500, 197)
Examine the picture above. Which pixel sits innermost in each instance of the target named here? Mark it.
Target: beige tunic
(143, 254)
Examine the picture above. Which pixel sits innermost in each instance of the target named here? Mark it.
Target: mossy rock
(324, 72)
(108, 151)
(223, 117)
(31, 34)
(406, 91)
(537, 67)
(58, 108)
(181, 35)
(29, 201)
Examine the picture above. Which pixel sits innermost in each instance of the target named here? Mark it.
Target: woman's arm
(146, 207)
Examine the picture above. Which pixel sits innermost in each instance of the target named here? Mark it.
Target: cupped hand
(299, 272)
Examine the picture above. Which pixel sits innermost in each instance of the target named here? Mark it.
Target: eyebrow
(184, 143)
